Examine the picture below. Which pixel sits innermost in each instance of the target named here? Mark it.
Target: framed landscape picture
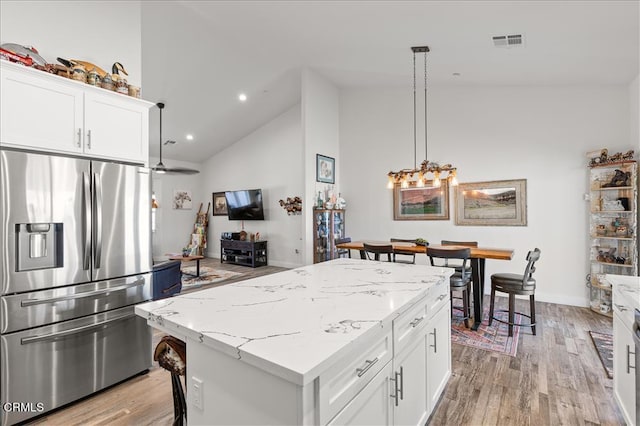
(495, 203)
(219, 204)
(421, 203)
(325, 169)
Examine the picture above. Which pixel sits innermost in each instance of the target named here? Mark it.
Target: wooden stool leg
(465, 306)
(176, 389)
(532, 302)
(512, 307)
(493, 300)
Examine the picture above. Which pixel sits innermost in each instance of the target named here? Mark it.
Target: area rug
(490, 338)
(207, 276)
(604, 345)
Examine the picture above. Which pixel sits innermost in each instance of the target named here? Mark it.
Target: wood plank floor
(556, 378)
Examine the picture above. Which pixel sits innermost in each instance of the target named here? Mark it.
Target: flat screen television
(245, 204)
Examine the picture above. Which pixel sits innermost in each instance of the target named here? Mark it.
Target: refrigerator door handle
(77, 330)
(86, 253)
(106, 291)
(97, 204)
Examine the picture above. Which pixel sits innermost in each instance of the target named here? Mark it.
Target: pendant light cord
(161, 106)
(426, 156)
(415, 149)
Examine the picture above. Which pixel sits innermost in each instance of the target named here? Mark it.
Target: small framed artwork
(325, 169)
(219, 204)
(421, 203)
(494, 203)
(182, 199)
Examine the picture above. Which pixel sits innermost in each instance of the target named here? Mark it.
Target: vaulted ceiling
(197, 56)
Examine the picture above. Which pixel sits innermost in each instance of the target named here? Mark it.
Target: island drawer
(409, 324)
(438, 296)
(348, 376)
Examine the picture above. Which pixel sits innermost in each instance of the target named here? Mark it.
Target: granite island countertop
(295, 324)
(626, 290)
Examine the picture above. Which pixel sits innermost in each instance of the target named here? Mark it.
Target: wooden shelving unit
(613, 224)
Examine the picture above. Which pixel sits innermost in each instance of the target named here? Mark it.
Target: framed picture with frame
(421, 203)
(219, 204)
(493, 203)
(325, 169)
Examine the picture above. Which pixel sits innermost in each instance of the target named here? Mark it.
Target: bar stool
(513, 284)
(460, 280)
(342, 251)
(171, 354)
(410, 256)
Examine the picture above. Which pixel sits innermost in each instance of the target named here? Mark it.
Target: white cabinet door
(372, 406)
(115, 128)
(410, 389)
(438, 354)
(624, 373)
(40, 113)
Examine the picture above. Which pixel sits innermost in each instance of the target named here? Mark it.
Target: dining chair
(460, 280)
(455, 265)
(343, 251)
(512, 284)
(171, 354)
(375, 250)
(410, 257)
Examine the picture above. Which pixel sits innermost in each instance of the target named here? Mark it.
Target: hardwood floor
(556, 378)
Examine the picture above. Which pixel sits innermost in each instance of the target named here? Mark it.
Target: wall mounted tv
(245, 204)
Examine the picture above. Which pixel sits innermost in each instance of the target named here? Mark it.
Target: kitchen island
(339, 342)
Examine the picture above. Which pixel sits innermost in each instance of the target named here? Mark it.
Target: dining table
(478, 258)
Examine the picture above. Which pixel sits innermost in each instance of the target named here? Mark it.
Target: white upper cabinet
(44, 112)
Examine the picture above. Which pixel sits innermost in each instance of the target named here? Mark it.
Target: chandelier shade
(427, 170)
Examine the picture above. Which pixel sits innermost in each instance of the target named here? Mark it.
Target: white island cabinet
(341, 342)
(626, 300)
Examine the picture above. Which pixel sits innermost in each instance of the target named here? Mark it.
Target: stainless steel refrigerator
(75, 258)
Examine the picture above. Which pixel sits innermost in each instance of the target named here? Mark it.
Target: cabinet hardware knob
(442, 296)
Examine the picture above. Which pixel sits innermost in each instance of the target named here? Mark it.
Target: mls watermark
(23, 407)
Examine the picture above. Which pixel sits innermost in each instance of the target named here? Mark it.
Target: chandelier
(419, 175)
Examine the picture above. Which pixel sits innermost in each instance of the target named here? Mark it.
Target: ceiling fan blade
(181, 171)
(160, 167)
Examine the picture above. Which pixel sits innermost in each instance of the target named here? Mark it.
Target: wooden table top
(186, 258)
(476, 252)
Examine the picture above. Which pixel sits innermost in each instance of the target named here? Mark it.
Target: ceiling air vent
(508, 40)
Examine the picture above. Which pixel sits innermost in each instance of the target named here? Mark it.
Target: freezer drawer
(57, 364)
(38, 308)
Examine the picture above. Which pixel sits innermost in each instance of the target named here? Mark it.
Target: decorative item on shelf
(612, 205)
(79, 73)
(620, 178)
(107, 83)
(23, 55)
(404, 176)
(319, 201)
(341, 204)
(601, 158)
(292, 205)
(93, 78)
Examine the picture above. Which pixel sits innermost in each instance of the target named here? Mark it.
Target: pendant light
(160, 168)
(418, 176)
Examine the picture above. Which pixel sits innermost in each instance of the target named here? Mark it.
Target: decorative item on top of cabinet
(293, 205)
(613, 223)
(328, 227)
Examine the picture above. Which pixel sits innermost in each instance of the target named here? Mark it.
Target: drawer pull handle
(79, 138)
(361, 371)
(622, 308)
(399, 393)
(435, 341)
(442, 296)
(629, 366)
(416, 321)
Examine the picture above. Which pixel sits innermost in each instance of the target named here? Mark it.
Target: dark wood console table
(247, 253)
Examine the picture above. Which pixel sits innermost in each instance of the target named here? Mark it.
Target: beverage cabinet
(613, 228)
(328, 227)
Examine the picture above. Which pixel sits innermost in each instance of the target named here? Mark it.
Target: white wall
(173, 226)
(320, 124)
(270, 159)
(490, 133)
(634, 113)
(100, 32)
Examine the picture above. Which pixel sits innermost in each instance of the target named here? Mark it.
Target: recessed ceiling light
(189, 137)
(456, 74)
(242, 97)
